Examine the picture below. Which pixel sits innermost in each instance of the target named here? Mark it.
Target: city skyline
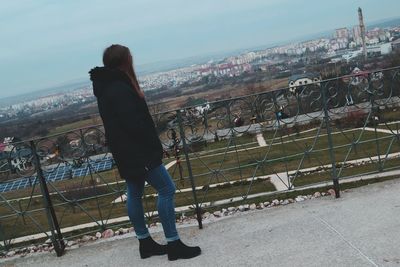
(74, 45)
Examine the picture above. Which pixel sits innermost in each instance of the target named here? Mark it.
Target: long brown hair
(119, 57)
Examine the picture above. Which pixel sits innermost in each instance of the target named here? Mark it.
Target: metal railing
(304, 136)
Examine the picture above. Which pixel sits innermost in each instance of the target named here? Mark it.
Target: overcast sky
(45, 43)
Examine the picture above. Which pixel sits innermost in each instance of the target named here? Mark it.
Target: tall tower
(362, 29)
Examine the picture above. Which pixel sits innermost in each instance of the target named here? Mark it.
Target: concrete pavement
(360, 229)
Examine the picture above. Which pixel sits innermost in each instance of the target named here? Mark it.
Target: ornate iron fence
(304, 136)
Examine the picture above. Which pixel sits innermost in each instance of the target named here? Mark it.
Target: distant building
(200, 110)
(20, 159)
(386, 48)
(299, 80)
(351, 55)
(383, 49)
(358, 76)
(379, 34)
(7, 145)
(396, 44)
(372, 41)
(342, 33)
(352, 45)
(16, 157)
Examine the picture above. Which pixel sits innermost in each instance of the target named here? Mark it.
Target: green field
(74, 125)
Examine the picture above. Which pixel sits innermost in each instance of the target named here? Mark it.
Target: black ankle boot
(148, 247)
(178, 250)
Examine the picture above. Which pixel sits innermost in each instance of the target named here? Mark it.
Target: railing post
(229, 114)
(205, 117)
(189, 167)
(375, 121)
(278, 121)
(378, 150)
(3, 244)
(335, 179)
(232, 138)
(21, 211)
(85, 155)
(56, 235)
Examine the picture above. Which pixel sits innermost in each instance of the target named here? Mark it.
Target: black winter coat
(129, 127)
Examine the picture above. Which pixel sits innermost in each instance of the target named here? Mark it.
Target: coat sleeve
(127, 111)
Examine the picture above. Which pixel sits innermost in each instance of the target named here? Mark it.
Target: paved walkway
(261, 140)
(386, 131)
(360, 229)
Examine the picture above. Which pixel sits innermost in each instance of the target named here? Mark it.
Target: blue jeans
(160, 179)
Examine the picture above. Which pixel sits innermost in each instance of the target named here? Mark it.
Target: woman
(137, 150)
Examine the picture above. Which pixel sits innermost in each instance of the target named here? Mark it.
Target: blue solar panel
(25, 183)
(59, 173)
